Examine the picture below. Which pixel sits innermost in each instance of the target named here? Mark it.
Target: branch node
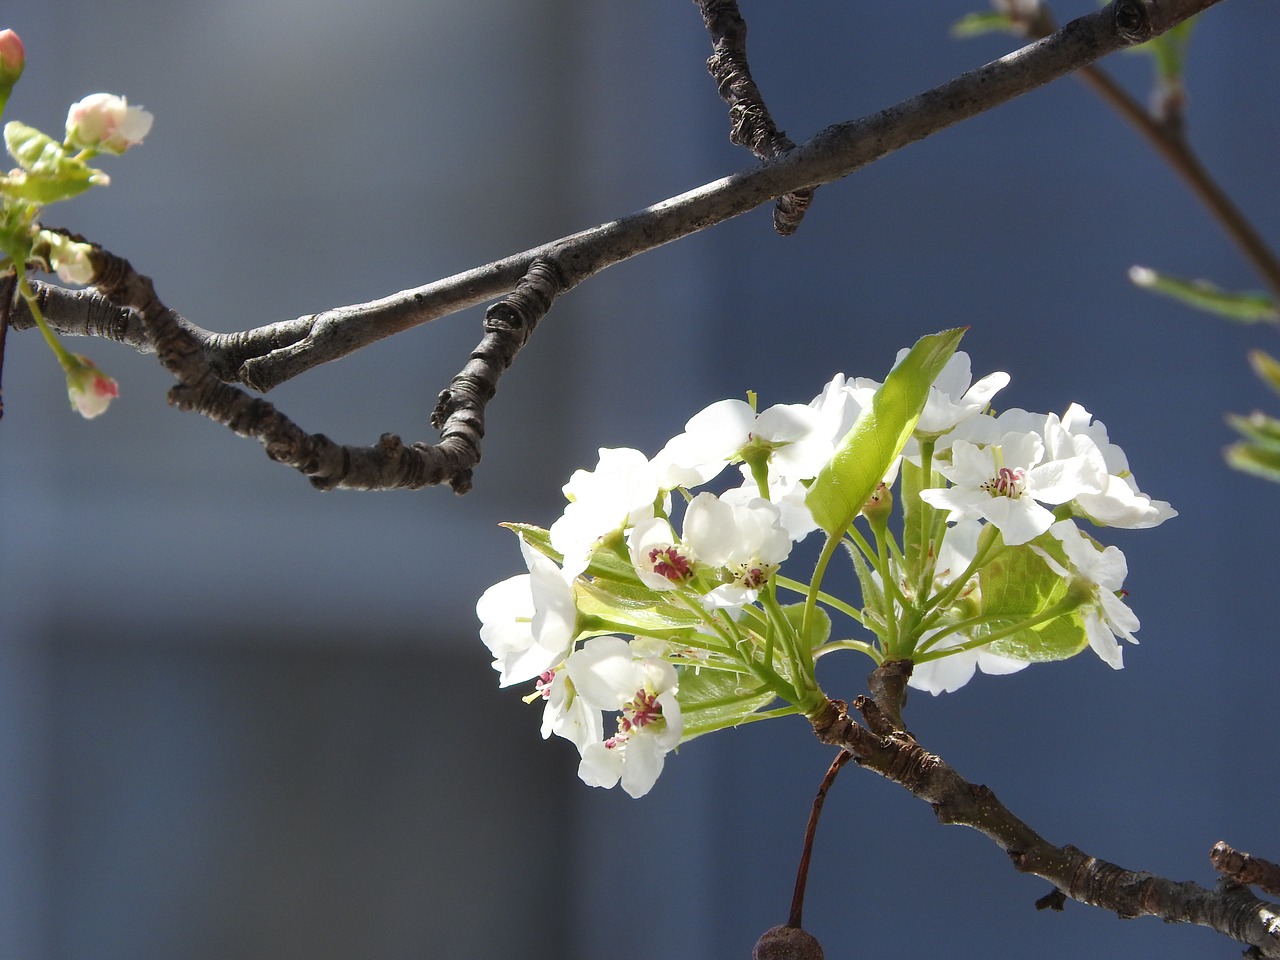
(1244, 868)
(750, 124)
(1134, 20)
(1055, 899)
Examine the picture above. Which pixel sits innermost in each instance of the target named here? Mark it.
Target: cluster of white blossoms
(668, 621)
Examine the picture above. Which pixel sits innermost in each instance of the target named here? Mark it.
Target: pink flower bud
(90, 389)
(12, 59)
(103, 121)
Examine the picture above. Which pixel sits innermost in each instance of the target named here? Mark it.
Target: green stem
(67, 361)
(860, 645)
(795, 586)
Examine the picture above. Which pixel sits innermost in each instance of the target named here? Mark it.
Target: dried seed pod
(787, 943)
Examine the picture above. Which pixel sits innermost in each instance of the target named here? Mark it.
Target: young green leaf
(1257, 460)
(715, 699)
(845, 483)
(1243, 307)
(1018, 585)
(976, 24)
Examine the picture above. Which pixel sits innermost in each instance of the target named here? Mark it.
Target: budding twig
(267, 356)
(1167, 136)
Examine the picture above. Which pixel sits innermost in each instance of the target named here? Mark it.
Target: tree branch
(751, 125)
(1231, 910)
(1245, 868)
(265, 357)
(1168, 138)
(389, 464)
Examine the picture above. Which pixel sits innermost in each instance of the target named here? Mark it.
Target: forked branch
(207, 364)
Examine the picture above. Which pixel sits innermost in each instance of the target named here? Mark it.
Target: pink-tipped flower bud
(103, 121)
(12, 58)
(90, 389)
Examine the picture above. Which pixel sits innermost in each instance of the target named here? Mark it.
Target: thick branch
(268, 356)
(389, 464)
(1231, 910)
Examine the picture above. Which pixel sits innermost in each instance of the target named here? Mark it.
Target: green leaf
(32, 149)
(842, 487)
(1243, 307)
(1262, 430)
(1266, 367)
(819, 625)
(536, 537)
(976, 24)
(1259, 461)
(712, 700)
(610, 560)
(1018, 585)
(1059, 639)
(635, 606)
(47, 172)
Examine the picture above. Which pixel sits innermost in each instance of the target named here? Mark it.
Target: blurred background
(243, 719)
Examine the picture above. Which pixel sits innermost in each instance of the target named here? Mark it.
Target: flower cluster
(49, 170)
(660, 604)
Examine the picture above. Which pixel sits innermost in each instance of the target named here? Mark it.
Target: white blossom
(1007, 482)
(621, 490)
(103, 121)
(528, 621)
(1102, 573)
(607, 674)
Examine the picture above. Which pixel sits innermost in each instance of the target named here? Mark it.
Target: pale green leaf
(845, 483)
(1243, 307)
(715, 699)
(976, 24)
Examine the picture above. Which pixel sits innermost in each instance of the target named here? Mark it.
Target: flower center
(670, 563)
(640, 711)
(1009, 482)
(753, 575)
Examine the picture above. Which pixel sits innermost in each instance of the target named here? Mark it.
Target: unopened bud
(90, 389)
(878, 508)
(12, 59)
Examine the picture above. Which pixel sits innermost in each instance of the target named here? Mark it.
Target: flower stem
(29, 295)
(802, 874)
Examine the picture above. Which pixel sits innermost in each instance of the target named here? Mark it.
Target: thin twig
(389, 464)
(1168, 138)
(751, 125)
(811, 828)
